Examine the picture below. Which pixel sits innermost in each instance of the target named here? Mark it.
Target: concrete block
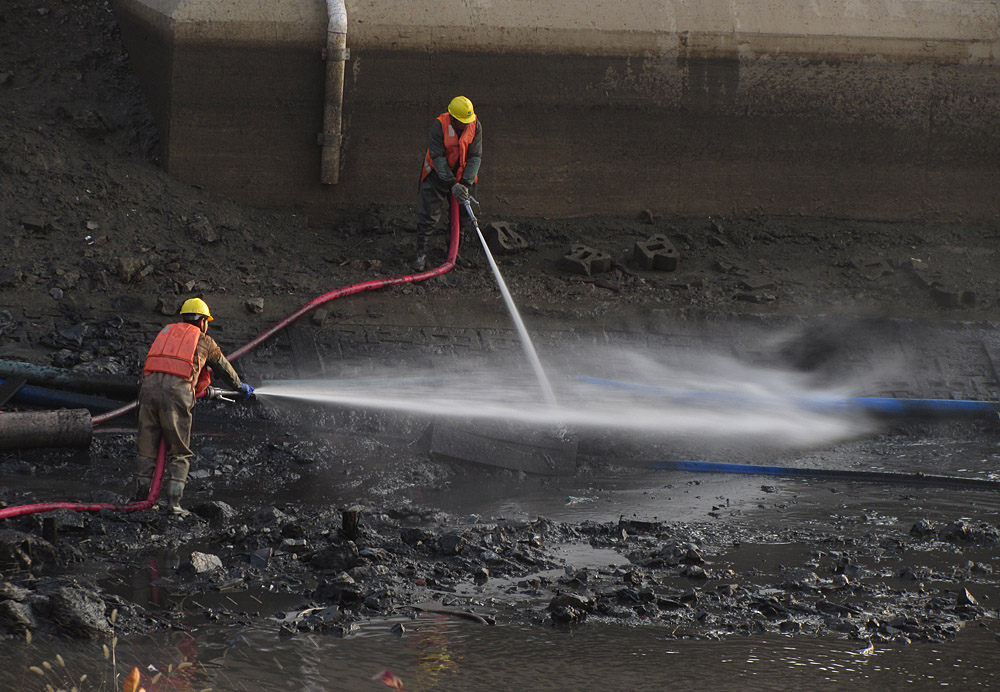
(503, 240)
(586, 260)
(504, 445)
(656, 253)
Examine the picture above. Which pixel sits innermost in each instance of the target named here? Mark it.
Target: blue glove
(247, 390)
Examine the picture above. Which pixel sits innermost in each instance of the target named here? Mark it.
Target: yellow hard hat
(196, 306)
(461, 110)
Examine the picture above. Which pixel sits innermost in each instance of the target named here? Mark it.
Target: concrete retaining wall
(851, 108)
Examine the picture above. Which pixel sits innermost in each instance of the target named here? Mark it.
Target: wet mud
(103, 248)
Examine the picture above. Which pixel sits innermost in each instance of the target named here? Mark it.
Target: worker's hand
(247, 390)
(460, 192)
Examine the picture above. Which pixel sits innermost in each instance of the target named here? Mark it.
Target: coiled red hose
(154, 489)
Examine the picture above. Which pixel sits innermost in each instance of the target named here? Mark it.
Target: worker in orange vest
(451, 165)
(176, 372)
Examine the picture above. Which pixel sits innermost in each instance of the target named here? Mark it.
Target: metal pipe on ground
(62, 378)
(63, 428)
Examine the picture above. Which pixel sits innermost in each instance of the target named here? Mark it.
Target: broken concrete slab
(504, 445)
(501, 239)
(657, 252)
(586, 260)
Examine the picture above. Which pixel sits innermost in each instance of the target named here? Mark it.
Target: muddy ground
(100, 248)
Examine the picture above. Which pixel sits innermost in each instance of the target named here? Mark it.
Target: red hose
(150, 501)
(154, 489)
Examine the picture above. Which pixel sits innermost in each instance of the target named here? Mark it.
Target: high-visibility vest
(173, 352)
(455, 147)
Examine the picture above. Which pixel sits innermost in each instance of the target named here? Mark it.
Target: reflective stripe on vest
(455, 147)
(173, 350)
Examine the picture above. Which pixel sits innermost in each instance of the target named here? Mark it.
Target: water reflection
(440, 653)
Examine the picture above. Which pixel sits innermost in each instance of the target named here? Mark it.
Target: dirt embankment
(102, 247)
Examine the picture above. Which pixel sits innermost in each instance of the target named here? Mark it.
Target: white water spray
(529, 347)
(696, 398)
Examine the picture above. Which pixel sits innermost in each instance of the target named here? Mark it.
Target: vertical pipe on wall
(336, 55)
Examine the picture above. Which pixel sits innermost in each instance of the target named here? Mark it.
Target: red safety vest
(173, 352)
(455, 146)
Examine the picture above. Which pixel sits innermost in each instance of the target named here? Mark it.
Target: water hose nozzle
(229, 395)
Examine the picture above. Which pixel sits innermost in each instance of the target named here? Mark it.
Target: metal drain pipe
(62, 378)
(335, 55)
(63, 428)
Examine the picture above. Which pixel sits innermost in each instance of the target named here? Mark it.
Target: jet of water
(529, 347)
(725, 401)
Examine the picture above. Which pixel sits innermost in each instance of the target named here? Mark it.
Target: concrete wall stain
(867, 122)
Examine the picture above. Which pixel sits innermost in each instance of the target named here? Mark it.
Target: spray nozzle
(229, 395)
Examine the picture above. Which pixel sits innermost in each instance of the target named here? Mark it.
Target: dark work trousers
(166, 403)
(432, 204)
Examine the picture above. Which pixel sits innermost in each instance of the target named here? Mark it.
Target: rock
(216, 511)
(33, 223)
(319, 316)
(293, 545)
(269, 516)
(261, 558)
(167, 305)
(255, 305)
(966, 598)
(451, 544)
(11, 276)
(572, 601)
(923, 528)
(20, 550)
(202, 230)
(413, 536)
(13, 592)
(957, 530)
(481, 576)
(79, 612)
(694, 572)
(339, 556)
(341, 589)
(17, 617)
(128, 268)
(202, 563)
(799, 579)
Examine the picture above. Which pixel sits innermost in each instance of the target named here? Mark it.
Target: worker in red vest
(175, 374)
(451, 165)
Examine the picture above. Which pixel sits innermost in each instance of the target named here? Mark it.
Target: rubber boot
(144, 470)
(140, 488)
(175, 491)
(421, 262)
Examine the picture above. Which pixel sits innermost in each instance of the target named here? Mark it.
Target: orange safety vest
(455, 147)
(173, 352)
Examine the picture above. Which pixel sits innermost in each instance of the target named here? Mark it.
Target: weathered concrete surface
(871, 110)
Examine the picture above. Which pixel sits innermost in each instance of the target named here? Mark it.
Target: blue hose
(30, 395)
(875, 405)
(833, 474)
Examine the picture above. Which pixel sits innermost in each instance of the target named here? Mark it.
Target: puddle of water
(447, 654)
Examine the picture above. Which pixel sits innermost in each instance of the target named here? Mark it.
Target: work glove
(460, 192)
(247, 390)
